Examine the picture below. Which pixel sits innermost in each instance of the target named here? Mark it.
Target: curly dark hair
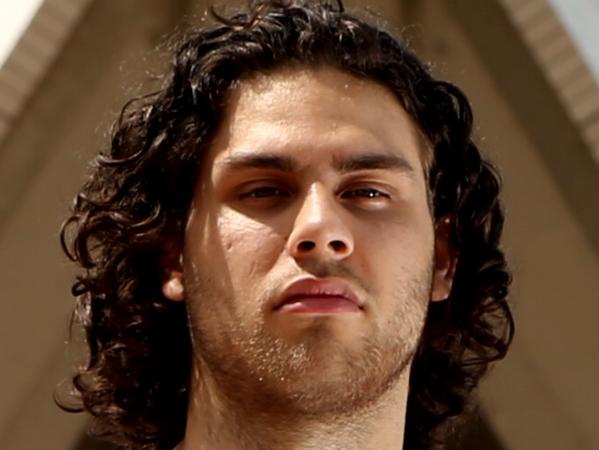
(135, 384)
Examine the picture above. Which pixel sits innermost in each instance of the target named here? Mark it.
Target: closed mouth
(319, 295)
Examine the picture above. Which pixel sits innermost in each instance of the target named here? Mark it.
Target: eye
(365, 193)
(264, 192)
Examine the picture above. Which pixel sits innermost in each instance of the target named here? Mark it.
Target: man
(292, 245)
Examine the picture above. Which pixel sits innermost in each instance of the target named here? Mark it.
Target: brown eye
(364, 193)
(265, 192)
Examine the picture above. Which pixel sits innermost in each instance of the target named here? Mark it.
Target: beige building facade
(536, 107)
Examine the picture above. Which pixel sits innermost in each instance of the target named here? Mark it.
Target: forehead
(320, 112)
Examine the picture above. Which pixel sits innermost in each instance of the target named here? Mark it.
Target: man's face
(312, 194)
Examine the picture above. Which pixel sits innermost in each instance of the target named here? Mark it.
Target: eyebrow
(372, 161)
(345, 164)
(260, 161)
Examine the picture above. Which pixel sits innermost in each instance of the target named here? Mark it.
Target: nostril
(337, 246)
(306, 246)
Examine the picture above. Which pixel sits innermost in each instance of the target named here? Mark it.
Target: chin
(328, 376)
(339, 389)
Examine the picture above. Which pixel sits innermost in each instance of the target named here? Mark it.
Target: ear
(445, 260)
(171, 265)
(172, 286)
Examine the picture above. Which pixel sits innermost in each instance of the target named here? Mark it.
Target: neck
(216, 423)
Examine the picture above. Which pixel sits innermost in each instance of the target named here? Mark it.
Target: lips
(330, 295)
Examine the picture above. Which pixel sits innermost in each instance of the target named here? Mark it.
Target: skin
(313, 173)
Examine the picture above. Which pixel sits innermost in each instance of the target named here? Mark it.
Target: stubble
(320, 375)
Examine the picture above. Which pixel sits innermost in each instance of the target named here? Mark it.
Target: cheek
(396, 249)
(231, 258)
(408, 226)
(251, 248)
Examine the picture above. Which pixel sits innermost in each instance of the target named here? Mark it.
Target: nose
(319, 231)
